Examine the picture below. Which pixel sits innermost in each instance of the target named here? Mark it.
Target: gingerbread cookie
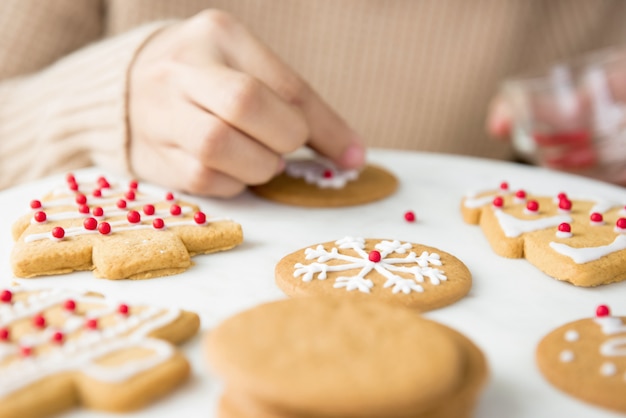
(332, 357)
(118, 233)
(578, 240)
(62, 348)
(403, 273)
(587, 359)
(318, 183)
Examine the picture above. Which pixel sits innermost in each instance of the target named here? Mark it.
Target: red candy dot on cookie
(26, 351)
(374, 256)
(39, 321)
(121, 204)
(169, 196)
(561, 196)
(35, 204)
(133, 217)
(97, 193)
(123, 309)
(6, 296)
(69, 177)
(103, 183)
(520, 194)
(565, 227)
(158, 223)
(91, 323)
(133, 184)
(148, 209)
(498, 201)
(130, 195)
(57, 337)
(327, 174)
(83, 209)
(81, 199)
(58, 232)
(4, 334)
(565, 204)
(73, 186)
(199, 217)
(602, 311)
(70, 305)
(504, 186)
(409, 216)
(532, 206)
(620, 223)
(175, 210)
(97, 211)
(104, 228)
(40, 216)
(90, 224)
(596, 217)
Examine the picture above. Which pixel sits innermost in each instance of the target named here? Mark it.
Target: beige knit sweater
(408, 74)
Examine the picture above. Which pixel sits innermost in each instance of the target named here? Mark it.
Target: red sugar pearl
(6, 296)
(374, 256)
(565, 227)
(121, 204)
(175, 210)
(532, 205)
(97, 193)
(504, 186)
(561, 196)
(158, 223)
(498, 201)
(133, 217)
(58, 232)
(148, 210)
(565, 204)
(327, 174)
(4, 334)
(90, 224)
(91, 323)
(596, 217)
(104, 228)
(199, 217)
(602, 310)
(39, 321)
(40, 216)
(84, 209)
(520, 194)
(133, 184)
(35, 204)
(130, 195)
(70, 305)
(73, 186)
(169, 196)
(123, 309)
(97, 211)
(69, 177)
(26, 351)
(409, 216)
(621, 223)
(57, 337)
(103, 183)
(81, 199)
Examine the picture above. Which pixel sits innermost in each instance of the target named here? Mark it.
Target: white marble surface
(510, 307)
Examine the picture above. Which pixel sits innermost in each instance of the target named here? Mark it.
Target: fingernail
(354, 155)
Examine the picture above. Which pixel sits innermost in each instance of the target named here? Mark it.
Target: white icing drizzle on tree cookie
(514, 227)
(80, 347)
(419, 267)
(321, 173)
(587, 254)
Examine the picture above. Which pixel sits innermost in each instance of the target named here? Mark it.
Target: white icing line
(585, 255)
(514, 227)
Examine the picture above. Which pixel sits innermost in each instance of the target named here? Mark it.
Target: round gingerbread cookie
(323, 357)
(403, 273)
(587, 359)
(319, 183)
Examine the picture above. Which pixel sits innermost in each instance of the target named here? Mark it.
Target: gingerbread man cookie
(118, 233)
(578, 240)
(587, 359)
(62, 348)
(403, 273)
(319, 183)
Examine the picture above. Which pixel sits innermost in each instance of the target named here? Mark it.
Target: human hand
(212, 109)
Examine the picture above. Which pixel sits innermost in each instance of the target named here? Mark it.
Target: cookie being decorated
(587, 359)
(64, 348)
(319, 183)
(578, 240)
(330, 357)
(403, 273)
(119, 233)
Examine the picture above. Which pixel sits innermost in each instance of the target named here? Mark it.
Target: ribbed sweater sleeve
(72, 113)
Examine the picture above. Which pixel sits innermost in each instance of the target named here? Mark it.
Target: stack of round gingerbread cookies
(330, 357)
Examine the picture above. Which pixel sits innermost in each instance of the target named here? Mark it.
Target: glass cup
(572, 116)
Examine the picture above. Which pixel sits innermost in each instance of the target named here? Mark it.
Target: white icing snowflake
(419, 267)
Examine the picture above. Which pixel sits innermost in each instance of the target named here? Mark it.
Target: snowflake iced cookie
(330, 357)
(587, 359)
(64, 348)
(318, 183)
(403, 273)
(119, 233)
(578, 240)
